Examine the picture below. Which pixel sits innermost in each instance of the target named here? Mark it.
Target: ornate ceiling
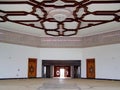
(60, 17)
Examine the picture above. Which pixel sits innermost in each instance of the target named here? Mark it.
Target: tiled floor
(59, 84)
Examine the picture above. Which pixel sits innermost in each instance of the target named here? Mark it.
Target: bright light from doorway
(62, 73)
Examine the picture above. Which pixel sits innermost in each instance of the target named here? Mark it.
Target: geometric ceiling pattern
(60, 17)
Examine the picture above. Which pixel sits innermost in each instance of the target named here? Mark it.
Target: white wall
(107, 61)
(60, 53)
(14, 57)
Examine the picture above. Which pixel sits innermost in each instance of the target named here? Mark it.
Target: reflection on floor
(59, 84)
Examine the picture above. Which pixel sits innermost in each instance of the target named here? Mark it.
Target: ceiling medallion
(60, 17)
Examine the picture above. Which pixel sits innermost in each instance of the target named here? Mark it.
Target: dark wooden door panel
(32, 68)
(67, 71)
(90, 68)
(56, 71)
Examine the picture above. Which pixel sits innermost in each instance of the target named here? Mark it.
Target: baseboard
(102, 79)
(20, 78)
(107, 79)
(72, 78)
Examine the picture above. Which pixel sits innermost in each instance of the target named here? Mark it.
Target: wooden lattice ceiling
(60, 17)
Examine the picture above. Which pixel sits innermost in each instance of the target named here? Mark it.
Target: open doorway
(61, 68)
(62, 71)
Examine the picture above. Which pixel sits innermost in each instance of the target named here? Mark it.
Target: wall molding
(60, 42)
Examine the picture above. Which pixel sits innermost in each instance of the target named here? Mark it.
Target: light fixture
(60, 17)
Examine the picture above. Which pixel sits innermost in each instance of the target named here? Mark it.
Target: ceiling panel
(46, 18)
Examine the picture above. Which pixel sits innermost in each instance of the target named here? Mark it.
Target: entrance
(61, 68)
(62, 71)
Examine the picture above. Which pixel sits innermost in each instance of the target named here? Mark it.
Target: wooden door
(67, 71)
(90, 68)
(56, 71)
(32, 67)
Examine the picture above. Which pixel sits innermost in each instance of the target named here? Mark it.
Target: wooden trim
(45, 4)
